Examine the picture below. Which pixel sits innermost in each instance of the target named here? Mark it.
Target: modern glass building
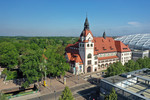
(136, 41)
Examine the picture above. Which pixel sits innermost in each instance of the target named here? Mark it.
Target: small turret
(104, 35)
(86, 24)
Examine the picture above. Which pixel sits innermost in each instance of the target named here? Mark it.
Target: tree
(115, 69)
(66, 94)
(112, 95)
(56, 63)
(130, 66)
(30, 62)
(8, 55)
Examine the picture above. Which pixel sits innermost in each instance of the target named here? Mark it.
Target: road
(77, 91)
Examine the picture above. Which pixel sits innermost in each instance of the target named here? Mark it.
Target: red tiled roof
(121, 47)
(102, 45)
(74, 57)
(110, 57)
(73, 54)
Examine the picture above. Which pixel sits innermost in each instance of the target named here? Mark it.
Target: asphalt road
(77, 91)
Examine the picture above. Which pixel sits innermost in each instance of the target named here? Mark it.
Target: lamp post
(78, 79)
(55, 94)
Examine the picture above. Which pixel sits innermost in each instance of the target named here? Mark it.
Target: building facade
(91, 53)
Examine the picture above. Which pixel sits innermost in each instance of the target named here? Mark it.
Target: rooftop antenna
(86, 14)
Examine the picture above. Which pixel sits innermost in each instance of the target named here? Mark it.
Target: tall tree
(8, 55)
(56, 63)
(30, 62)
(66, 94)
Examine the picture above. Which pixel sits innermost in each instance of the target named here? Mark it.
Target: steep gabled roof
(102, 45)
(121, 47)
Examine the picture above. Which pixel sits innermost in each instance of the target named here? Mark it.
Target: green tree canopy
(30, 66)
(66, 94)
(56, 63)
(115, 69)
(112, 95)
(8, 55)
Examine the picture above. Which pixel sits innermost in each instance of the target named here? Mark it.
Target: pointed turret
(86, 24)
(104, 35)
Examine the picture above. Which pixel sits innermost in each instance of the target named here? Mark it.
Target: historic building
(91, 53)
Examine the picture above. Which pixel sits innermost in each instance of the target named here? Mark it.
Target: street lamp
(55, 94)
(78, 79)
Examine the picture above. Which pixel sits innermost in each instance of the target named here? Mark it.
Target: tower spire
(86, 24)
(104, 35)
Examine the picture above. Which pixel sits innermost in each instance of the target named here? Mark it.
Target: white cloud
(134, 23)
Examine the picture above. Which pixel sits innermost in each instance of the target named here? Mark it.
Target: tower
(86, 48)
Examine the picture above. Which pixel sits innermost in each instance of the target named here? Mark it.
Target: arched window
(91, 45)
(87, 45)
(89, 55)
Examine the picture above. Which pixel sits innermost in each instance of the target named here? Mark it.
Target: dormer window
(104, 48)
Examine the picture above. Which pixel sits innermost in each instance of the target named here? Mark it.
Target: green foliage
(8, 55)
(26, 54)
(115, 69)
(3, 97)
(30, 66)
(10, 74)
(118, 68)
(112, 95)
(66, 94)
(56, 63)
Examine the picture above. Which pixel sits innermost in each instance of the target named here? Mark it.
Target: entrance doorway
(89, 69)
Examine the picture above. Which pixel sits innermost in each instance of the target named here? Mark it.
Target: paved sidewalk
(57, 86)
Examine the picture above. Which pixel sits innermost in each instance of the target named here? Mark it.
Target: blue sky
(66, 17)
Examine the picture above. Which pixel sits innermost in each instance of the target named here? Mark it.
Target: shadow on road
(90, 93)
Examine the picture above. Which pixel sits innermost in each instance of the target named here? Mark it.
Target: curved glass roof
(137, 41)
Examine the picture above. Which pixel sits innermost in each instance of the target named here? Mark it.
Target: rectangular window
(89, 62)
(95, 62)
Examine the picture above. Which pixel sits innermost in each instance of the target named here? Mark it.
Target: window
(87, 45)
(89, 62)
(82, 45)
(91, 45)
(98, 66)
(95, 57)
(89, 55)
(95, 62)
